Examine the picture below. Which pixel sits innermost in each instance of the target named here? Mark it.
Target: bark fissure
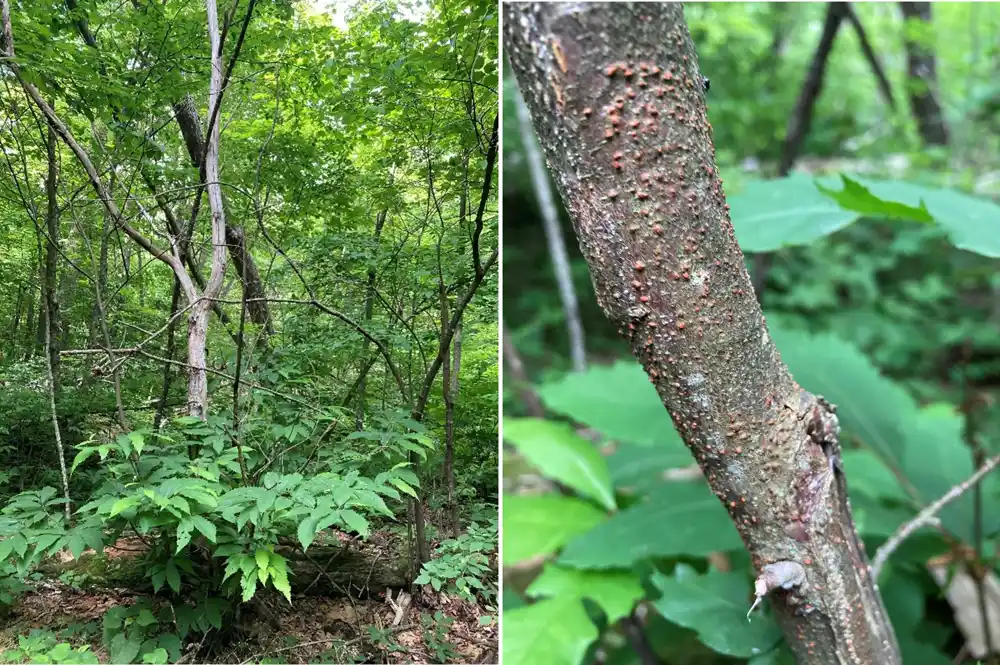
(614, 95)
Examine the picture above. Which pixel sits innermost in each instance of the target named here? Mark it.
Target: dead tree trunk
(922, 78)
(653, 226)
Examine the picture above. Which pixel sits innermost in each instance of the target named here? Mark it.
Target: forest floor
(313, 629)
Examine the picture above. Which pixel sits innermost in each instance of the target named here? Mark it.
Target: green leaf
(145, 618)
(679, 518)
(121, 505)
(619, 402)
(550, 632)
(616, 592)
(558, 453)
(262, 557)
(307, 530)
(184, 529)
(81, 457)
(138, 441)
(6, 547)
(124, 650)
(279, 578)
(158, 657)
(972, 223)
(159, 576)
(355, 521)
(173, 577)
(715, 606)
(403, 486)
(536, 525)
(249, 584)
(770, 214)
(206, 528)
(857, 198)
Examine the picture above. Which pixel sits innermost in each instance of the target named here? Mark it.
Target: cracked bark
(613, 94)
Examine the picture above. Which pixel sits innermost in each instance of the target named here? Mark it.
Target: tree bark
(614, 95)
(360, 395)
(922, 79)
(246, 268)
(50, 289)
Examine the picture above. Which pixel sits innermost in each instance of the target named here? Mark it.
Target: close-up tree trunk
(616, 100)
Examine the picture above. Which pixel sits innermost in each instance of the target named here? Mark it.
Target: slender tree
(615, 97)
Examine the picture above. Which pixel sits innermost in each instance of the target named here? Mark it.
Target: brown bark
(649, 211)
(922, 84)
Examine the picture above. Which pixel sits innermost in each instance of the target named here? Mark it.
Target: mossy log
(347, 571)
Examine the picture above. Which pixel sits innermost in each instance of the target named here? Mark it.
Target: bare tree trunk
(866, 48)
(800, 121)
(801, 118)
(922, 84)
(674, 282)
(361, 401)
(50, 289)
(161, 407)
(67, 508)
(449, 421)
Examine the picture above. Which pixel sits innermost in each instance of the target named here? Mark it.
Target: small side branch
(928, 515)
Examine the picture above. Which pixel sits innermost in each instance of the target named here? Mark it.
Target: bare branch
(928, 515)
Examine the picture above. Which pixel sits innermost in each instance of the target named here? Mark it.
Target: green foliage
(43, 646)
(798, 210)
(461, 565)
(435, 637)
(138, 633)
(556, 631)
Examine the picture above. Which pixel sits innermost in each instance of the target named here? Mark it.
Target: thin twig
(927, 515)
(554, 235)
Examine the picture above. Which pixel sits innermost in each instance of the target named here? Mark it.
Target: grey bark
(922, 84)
(656, 234)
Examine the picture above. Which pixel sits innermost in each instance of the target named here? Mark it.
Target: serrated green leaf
(715, 606)
(858, 198)
(679, 518)
(262, 556)
(355, 521)
(81, 457)
(184, 529)
(307, 531)
(551, 632)
(616, 592)
(559, 453)
(249, 584)
(206, 528)
(121, 505)
(536, 525)
(619, 402)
